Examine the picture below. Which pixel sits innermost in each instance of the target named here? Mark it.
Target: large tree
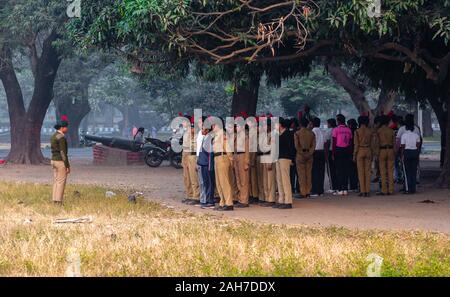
(72, 89)
(284, 33)
(31, 28)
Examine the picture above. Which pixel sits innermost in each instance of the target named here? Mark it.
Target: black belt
(265, 154)
(238, 153)
(304, 151)
(364, 146)
(219, 154)
(386, 147)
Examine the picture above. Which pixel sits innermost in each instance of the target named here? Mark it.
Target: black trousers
(209, 182)
(332, 167)
(411, 159)
(318, 172)
(343, 160)
(353, 175)
(294, 180)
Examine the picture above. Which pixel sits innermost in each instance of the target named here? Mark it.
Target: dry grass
(151, 240)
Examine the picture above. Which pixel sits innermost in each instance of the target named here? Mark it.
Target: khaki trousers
(304, 171)
(254, 180)
(59, 180)
(269, 181)
(190, 176)
(364, 162)
(260, 174)
(386, 163)
(283, 167)
(242, 178)
(223, 169)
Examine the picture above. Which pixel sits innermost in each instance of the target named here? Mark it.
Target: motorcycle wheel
(176, 162)
(153, 160)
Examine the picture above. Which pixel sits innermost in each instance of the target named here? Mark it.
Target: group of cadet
(349, 153)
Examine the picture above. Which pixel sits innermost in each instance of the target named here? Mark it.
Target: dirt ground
(165, 185)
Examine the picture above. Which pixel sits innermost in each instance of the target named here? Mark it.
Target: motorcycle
(156, 151)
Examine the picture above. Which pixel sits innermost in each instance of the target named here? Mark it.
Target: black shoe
(381, 194)
(226, 208)
(276, 205)
(185, 200)
(193, 202)
(362, 195)
(241, 205)
(253, 200)
(285, 206)
(267, 204)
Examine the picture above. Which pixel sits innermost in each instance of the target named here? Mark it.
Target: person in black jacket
(286, 156)
(205, 162)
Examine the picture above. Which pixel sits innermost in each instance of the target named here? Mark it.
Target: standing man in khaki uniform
(253, 178)
(60, 161)
(223, 166)
(362, 154)
(386, 156)
(305, 143)
(286, 154)
(269, 178)
(242, 166)
(253, 170)
(189, 163)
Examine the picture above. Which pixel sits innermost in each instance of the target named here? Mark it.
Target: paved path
(164, 184)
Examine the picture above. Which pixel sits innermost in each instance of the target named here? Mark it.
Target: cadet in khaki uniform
(253, 178)
(189, 163)
(305, 143)
(223, 164)
(286, 154)
(242, 166)
(269, 178)
(386, 156)
(362, 154)
(259, 165)
(60, 161)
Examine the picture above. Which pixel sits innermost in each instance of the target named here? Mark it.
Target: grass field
(147, 239)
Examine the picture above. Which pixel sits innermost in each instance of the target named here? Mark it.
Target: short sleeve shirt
(410, 140)
(343, 136)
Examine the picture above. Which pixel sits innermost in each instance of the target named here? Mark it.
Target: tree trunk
(26, 125)
(444, 179)
(441, 115)
(245, 97)
(356, 91)
(427, 123)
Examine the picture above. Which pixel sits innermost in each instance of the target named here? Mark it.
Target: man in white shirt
(318, 170)
(409, 118)
(199, 142)
(410, 148)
